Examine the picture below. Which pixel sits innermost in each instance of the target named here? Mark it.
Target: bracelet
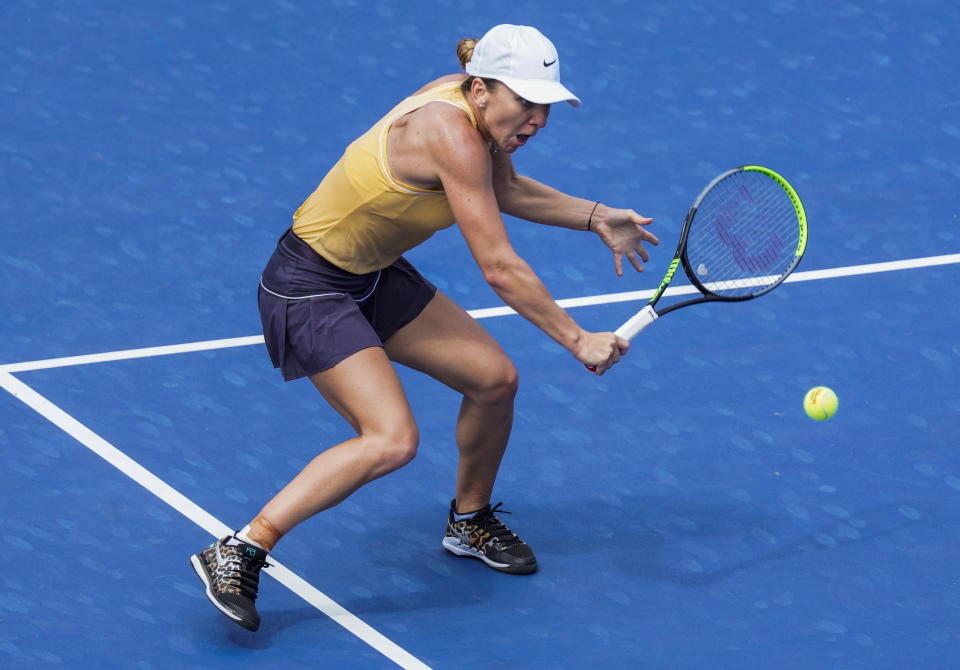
(590, 220)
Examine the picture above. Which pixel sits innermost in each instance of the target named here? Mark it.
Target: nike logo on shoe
(464, 538)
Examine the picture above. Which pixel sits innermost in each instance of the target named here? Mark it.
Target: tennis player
(339, 303)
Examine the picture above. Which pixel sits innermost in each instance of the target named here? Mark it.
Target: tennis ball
(820, 403)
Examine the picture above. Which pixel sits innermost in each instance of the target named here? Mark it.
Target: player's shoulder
(451, 133)
(447, 132)
(446, 124)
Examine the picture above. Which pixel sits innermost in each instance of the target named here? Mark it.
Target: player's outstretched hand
(624, 231)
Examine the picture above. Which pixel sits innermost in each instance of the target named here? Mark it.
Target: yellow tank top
(361, 218)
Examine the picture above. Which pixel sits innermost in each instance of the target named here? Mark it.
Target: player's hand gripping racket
(744, 234)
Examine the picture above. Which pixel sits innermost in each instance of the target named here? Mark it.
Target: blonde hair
(465, 49)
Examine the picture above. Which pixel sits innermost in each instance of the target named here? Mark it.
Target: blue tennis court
(685, 512)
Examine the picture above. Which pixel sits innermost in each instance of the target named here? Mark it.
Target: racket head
(744, 235)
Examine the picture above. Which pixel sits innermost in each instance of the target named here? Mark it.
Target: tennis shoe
(230, 571)
(485, 537)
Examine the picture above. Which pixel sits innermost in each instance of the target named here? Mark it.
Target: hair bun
(465, 50)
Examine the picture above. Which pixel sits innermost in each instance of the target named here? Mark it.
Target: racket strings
(744, 235)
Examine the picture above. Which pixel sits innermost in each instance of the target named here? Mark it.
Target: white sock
(461, 517)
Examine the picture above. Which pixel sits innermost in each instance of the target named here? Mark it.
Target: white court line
(809, 275)
(629, 296)
(133, 353)
(202, 518)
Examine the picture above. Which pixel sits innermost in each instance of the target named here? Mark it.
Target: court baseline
(609, 298)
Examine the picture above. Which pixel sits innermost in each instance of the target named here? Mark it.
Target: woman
(339, 303)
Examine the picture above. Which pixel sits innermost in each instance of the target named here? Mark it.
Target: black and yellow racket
(744, 234)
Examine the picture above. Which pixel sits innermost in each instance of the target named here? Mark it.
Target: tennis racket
(744, 234)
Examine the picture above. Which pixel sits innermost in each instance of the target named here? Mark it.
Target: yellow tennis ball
(820, 403)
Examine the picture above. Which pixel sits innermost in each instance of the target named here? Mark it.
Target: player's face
(510, 120)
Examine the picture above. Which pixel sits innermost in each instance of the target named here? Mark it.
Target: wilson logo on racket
(760, 255)
(746, 232)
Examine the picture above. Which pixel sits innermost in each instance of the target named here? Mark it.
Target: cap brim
(540, 91)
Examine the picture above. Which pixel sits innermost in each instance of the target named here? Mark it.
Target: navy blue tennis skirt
(316, 314)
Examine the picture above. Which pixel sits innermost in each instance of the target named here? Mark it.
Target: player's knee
(498, 384)
(395, 447)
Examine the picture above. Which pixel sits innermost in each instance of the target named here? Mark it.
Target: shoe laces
(495, 528)
(245, 571)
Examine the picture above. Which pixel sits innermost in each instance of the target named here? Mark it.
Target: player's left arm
(622, 230)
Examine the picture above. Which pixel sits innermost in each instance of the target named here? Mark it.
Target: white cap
(523, 59)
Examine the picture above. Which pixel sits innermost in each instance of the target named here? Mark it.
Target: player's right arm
(463, 164)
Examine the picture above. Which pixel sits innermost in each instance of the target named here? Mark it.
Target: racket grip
(632, 327)
(636, 323)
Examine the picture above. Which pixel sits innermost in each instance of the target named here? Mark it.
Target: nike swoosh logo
(546, 64)
(465, 539)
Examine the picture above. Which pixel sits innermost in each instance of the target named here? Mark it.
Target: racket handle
(636, 323)
(632, 327)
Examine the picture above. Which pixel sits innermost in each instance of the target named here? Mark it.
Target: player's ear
(480, 91)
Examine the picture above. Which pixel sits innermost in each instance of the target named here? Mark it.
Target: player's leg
(365, 389)
(449, 345)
